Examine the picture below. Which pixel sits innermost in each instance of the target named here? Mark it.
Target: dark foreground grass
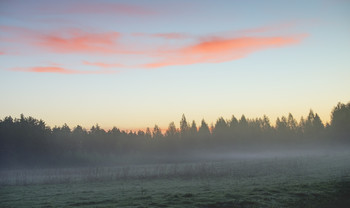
(325, 184)
(181, 193)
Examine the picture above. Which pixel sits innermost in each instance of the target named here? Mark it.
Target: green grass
(289, 182)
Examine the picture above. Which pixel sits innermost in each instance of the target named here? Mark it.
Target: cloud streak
(66, 41)
(77, 8)
(77, 41)
(177, 49)
(103, 65)
(270, 28)
(109, 8)
(60, 70)
(218, 50)
(175, 36)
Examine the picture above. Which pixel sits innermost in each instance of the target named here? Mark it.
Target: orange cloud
(164, 35)
(74, 41)
(206, 50)
(59, 70)
(282, 26)
(12, 34)
(171, 35)
(103, 65)
(14, 29)
(219, 50)
(66, 41)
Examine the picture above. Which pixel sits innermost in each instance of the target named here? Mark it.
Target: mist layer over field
(317, 180)
(27, 142)
(234, 163)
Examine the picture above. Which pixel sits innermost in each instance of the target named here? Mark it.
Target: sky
(134, 64)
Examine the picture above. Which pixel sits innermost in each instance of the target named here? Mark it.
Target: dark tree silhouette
(157, 133)
(171, 132)
(204, 131)
(184, 127)
(340, 120)
(29, 142)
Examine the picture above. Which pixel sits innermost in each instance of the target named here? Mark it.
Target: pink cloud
(227, 47)
(59, 70)
(103, 65)
(219, 50)
(164, 35)
(109, 8)
(281, 26)
(54, 64)
(76, 8)
(77, 41)
(66, 41)
(16, 34)
(2, 53)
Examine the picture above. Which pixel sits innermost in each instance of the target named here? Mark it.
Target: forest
(27, 142)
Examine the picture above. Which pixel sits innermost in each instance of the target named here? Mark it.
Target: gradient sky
(134, 64)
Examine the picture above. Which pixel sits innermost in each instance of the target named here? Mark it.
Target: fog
(27, 142)
(234, 163)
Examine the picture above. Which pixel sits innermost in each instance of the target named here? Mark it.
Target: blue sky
(133, 64)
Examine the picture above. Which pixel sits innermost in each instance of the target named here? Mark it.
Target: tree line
(27, 141)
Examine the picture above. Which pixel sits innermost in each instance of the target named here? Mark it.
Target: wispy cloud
(103, 65)
(176, 36)
(60, 70)
(219, 50)
(171, 35)
(77, 8)
(12, 33)
(78, 41)
(104, 8)
(66, 41)
(268, 28)
(176, 49)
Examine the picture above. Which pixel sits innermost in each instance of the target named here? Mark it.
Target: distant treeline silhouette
(29, 142)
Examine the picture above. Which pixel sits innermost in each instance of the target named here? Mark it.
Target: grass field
(298, 181)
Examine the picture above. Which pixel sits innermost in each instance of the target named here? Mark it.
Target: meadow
(314, 180)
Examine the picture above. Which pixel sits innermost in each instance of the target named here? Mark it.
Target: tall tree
(221, 128)
(184, 127)
(340, 120)
(157, 133)
(171, 132)
(204, 131)
(193, 129)
(292, 123)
